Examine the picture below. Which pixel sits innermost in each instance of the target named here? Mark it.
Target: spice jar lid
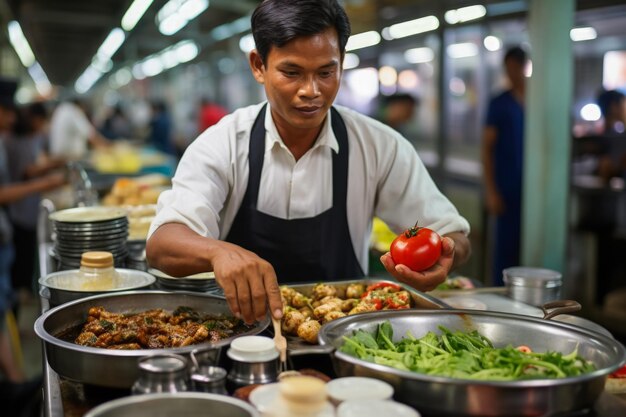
(522, 276)
(303, 390)
(96, 259)
(252, 349)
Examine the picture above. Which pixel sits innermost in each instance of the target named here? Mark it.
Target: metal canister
(534, 286)
(208, 378)
(161, 373)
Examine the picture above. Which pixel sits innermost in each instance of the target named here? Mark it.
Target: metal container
(458, 397)
(534, 286)
(254, 361)
(161, 373)
(118, 368)
(62, 286)
(187, 404)
(207, 378)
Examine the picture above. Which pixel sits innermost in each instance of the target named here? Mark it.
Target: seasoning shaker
(161, 373)
(254, 361)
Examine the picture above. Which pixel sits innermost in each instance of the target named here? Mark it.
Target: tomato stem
(411, 232)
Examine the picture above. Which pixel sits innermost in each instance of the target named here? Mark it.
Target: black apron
(301, 250)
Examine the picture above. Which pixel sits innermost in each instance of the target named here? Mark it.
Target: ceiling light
(419, 55)
(186, 51)
(411, 27)
(492, 43)
(465, 14)
(408, 79)
(363, 40)
(111, 44)
(87, 79)
(20, 44)
(590, 112)
(42, 84)
(462, 50)
(134, 13)
(583, 34)
(175, 14)
(387, 76)
(246, 43)
(230, 29)
(169, 58)
(152, 66)
(351, 61)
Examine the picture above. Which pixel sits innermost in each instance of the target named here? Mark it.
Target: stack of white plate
(202, 282)
(85, 229)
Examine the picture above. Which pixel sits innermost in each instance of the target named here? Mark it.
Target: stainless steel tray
(419, 300)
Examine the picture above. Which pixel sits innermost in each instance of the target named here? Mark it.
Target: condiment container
(97, 271)
(358, 388)
(254, 361)
(534, 286)
(300, 396)
(161, 373)
(208, 378)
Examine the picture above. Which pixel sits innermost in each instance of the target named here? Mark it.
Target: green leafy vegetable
(465, 355)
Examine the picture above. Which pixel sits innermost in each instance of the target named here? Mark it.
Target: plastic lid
(375, 408)
(532, 277)
(252, 349)
(358, 388)
(96, 259)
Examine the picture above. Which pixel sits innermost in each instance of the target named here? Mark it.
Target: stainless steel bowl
(188, 404)
(61, 286)
(449, 396)
(118, 368)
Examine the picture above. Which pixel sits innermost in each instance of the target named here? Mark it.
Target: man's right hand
(249, 282)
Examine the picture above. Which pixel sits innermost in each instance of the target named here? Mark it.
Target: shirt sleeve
(199, 187)
(407, 194)
(82, 125)
(492, 113)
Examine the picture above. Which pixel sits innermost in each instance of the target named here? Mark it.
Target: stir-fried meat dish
(154, 329)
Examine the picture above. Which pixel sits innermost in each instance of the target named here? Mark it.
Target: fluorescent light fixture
(138, 72)
(465, 14)
(169, 58)
(419, 55)
(462, 50)
(351, 61)
(42, 84)
(363, 40)
(152, 66)
(246, 43)
(583, 34)
(121, 77)
(492, 43)
(408, 79)
(111, 44)
(175, 14)
(87, 79)
(388, 76)
(590, 112)
(186, 51)
(134, 13)
(411, 27)
(528, 71)
(20, 44)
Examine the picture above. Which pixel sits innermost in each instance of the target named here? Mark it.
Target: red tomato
(418, 248)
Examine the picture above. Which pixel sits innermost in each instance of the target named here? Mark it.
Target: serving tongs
(281, 344)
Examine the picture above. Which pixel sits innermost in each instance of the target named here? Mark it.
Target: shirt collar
(325, 138)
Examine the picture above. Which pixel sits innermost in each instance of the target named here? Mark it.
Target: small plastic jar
(97, 272)
(255, 361)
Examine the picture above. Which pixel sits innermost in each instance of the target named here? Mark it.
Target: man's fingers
(257, 290)
(230, 292)
(243, 295)
(273, 294)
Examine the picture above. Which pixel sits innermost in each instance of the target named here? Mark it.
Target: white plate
(200, 276)
(88, 214)
(358, 388)
(375, 408)
(262, 397)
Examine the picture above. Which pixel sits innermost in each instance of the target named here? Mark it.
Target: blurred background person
(160, 135)
(116, 125)
(210, 114)
(397, 110)
(502, 157)
(27, 159)
(612, 164)
(71, 131)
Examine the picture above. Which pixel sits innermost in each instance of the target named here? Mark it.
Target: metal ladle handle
(558, 307)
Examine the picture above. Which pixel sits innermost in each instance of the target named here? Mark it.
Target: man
(288, 188)
(502, 156)
(71, 131)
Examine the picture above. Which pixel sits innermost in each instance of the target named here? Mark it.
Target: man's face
(515, 71)
(301, 79)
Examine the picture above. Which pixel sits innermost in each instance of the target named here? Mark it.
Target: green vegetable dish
(463, 355)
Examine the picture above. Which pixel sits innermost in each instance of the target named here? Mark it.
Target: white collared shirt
(386, 179)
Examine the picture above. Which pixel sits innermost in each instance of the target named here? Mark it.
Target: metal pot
(118, 368)
(60, 287)
(449, 396)
(188, 404)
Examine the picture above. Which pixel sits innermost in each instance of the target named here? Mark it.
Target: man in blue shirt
(503, 155)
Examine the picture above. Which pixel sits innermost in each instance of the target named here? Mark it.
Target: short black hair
(517, 54)
(606, 99)
(277, 22)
